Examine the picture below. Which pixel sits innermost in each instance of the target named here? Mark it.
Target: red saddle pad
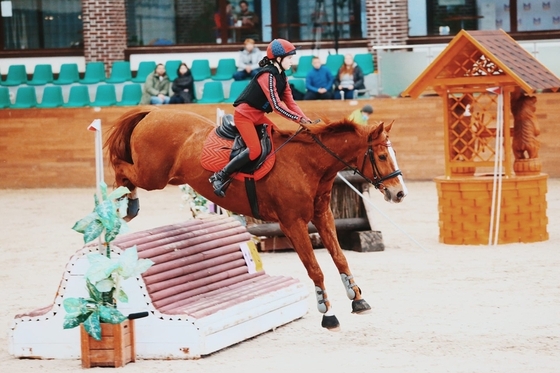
(216, 151)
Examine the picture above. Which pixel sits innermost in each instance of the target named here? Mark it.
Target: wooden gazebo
(493, 190)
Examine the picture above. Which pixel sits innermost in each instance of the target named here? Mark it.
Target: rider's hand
(304, 120)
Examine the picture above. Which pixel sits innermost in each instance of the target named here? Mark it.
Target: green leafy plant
(105, 275)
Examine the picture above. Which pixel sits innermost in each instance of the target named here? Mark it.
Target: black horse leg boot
(220, 180)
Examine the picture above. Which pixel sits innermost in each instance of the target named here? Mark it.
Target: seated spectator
(156, 88)
(249, 21)
(183, 86)
(362, 115)
(218, 22)
(319, 82)
(248, 61)
(349, 79)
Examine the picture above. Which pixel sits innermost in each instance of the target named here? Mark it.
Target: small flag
(496, 90)
(95, 125)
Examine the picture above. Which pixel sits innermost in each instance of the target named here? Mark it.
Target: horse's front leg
(324, 222)
(296, 231)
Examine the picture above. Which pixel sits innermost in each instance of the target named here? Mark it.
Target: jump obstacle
(206, 291)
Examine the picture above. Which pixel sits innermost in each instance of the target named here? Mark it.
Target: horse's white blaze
(393, 157)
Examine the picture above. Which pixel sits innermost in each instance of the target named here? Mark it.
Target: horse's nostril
(400, 195)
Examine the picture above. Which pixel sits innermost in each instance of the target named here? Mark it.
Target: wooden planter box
(115, 349)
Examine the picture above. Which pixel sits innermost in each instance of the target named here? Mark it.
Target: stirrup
(220, 186)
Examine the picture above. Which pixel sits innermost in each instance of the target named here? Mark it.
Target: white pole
(497, 177)
(95, 126)
(500, 129)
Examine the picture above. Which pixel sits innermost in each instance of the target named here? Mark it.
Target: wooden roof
(483, 58)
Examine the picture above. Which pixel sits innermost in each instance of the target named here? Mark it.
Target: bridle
(378, 180)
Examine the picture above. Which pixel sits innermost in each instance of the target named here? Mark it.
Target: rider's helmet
(280, 48)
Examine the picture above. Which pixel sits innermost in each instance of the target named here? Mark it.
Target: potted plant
(105, 275)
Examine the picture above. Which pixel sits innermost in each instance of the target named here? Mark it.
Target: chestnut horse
(150, 148)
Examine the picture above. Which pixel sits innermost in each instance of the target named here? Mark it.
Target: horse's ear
(389, 126)
(376, 132)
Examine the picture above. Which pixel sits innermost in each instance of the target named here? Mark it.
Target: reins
(377, 178)
(377, 181)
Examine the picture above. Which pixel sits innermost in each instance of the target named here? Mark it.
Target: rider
(268, 91)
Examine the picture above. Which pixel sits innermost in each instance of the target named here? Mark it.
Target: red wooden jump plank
(260, 285)
(173, 259)
(187, 261)
(201, 233)
(132, 238)
(199, 271)
(184, 298)
(204, 297)
(237, 300)
(184, 241)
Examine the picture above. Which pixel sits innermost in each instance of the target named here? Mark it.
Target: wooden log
(361, 241)
(273, 229)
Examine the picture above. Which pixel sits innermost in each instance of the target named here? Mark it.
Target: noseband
(378, 180)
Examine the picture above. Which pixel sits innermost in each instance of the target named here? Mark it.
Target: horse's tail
(118, 142)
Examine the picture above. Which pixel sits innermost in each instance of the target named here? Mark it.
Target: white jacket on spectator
(249, 58)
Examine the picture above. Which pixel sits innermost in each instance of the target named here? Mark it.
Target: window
(36, 24)
(176, 22)
(443, 17)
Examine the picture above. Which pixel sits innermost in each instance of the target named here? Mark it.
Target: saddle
(228, 131)
(225, 142)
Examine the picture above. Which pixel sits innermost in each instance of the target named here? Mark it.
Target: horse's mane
(329, 127)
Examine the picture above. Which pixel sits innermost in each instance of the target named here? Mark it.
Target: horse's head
(381, 158)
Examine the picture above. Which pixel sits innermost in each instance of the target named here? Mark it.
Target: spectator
(349, 79)
(319, 82)
(156, 88)
(249, 21)
(183, 86)
(218, 21)
(362, 115)
(248, 62)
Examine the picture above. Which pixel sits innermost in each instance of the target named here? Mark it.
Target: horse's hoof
(132, 209)
(360, 306)
(331, 323)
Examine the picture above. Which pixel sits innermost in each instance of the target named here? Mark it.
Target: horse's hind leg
(296, 231)
(324, 222)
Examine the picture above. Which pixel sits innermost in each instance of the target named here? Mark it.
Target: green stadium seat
(25, 98)
(120, 72)
(105, 95)
(334, 62)
(144, 69)
(303, 67)
(289, 72)
(365, 61)
(298, 84)
(42, 75)
(131, 95)
(16, 75)
(5, 98)
(79, 96)
(171, 67)
(200, 70)
(225, 70)
(212, 93)
(68, 74)
(95, 73)
(235, 90)
(52, 97)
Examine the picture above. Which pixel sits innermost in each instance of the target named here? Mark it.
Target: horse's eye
(382, 157)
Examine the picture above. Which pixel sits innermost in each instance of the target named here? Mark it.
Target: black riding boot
(220, 180)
